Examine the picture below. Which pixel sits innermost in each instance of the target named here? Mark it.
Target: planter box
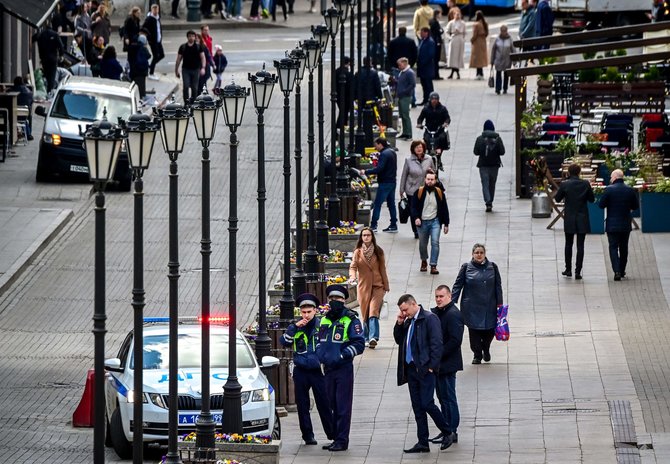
(364, 213)
(247, 453)
(331, 269)
(340, 242)
(275, 295)
(654, 208)
(596, 217)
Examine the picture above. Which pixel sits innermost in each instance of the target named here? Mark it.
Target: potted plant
(566, 145)
(654, 207)
(540, 201)
(531, 123)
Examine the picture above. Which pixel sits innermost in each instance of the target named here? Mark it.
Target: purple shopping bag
(502, 327)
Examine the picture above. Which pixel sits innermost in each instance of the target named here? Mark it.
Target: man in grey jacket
(405, 90)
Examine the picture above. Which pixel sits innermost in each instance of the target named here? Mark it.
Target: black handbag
(491, 80)
(403, 210)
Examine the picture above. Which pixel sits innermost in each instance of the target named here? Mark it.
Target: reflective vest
(340, 330)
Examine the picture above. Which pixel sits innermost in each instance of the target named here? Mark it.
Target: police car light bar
(188, 319)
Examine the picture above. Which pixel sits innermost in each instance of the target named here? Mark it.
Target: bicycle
(431, 138)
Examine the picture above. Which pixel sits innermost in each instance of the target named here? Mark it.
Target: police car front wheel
(123, 448)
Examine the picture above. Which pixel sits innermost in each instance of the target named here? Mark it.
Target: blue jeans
(445, 385)
(385, 193)
(372, 329)
(488, 176)
(430, 229)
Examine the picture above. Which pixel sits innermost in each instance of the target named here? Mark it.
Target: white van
(79, 101)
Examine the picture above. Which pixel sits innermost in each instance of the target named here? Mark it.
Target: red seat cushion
(560, 118)
(556, 132)
(652, 117)
(652, 135)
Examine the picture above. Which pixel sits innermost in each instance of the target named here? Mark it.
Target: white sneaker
(153, 77)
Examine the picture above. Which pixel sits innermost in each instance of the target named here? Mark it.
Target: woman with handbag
(501, 58)
(368, 271)
(479, 286)
(479, 57)
(414, 171)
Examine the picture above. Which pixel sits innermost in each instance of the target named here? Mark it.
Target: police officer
(302, 336)
(340, 340)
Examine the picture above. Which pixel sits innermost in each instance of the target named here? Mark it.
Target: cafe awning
(31, 12)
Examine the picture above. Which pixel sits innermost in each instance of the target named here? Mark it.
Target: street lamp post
(205, 110)
(352, 28)
(333, 18)
(322, 35)
(299, 284)
(174, 124)
(343, 187)
(262, 84)
(103, 143)
(287, 69)
(359, 143)
(234, 98)
(312, 49)
(140, 137)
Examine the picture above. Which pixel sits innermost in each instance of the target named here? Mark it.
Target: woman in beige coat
(456, 32)
(479, 57)
(368, 270)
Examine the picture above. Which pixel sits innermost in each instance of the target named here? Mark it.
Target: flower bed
(237, 449)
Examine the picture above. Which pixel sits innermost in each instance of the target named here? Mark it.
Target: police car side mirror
(269, 361)
(113, 364)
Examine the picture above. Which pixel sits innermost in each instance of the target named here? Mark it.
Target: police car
(258, 399)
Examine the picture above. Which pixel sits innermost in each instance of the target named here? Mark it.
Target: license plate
(190, 419)
(77, 168)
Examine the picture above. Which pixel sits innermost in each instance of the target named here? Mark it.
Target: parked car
(79, 101)
(258, 398)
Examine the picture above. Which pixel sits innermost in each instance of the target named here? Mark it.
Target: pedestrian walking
(343, 73)
(152, 24)
(302, 337)
(50, 50)
(436, 32)
(220, 64)
(619, 200)
(175, 7)
(527, 22)
(425, 64)
(576, 193)
(131, 27)
(501, 58)
(202, 81)
(422, 16)
(101, 25)
(414, 172)
(194, 66)
(419, 337)
(544, 21)
(386, 179)
(273, 9)
(451, 322)
(430, 214)
(341, 339)
(141, 60)
(405, 86)
(368, 271)
(489, 148)
(479, 287)
(456, 33)
(479, 57)
(402, 46)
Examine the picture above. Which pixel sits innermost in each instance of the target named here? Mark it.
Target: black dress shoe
(578, 275)
(338, 447)
(437, 438)
(418, 449)
(567, 273)
(446, 441)
(310, 441)
(487, 356)
(327, 447)
(454, 436)
(617, 276)
(476, 360)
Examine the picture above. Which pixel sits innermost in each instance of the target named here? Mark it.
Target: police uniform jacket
(451, 321)
(303, 340)
(426, 344)
(340, 336)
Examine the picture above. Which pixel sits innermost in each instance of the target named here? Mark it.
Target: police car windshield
(156, 355)
(70, 104)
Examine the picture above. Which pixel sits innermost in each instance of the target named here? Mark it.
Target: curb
(34, 249)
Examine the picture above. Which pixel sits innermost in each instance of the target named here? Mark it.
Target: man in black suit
(402, 47)
(419, 336)
(576, 192)
(451, 362)
(620, 200)
(153, 25)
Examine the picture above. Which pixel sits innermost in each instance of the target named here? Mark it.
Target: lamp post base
(299, 285)
(333, 211)
(205, 429)
(286, 307)
(193, 13)
(322, 246)
(232, 404)
(312, 260)
(263, 344)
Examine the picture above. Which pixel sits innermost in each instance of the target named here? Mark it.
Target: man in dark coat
(366, 84)
(152, 24)
(620, 200)
(419, 337)
(386, 171)
(451, 321)
(544, 20)
(489, 148)
(425, 63)
(344, 79)
(50, 49)
(402, 46)
(576, 192)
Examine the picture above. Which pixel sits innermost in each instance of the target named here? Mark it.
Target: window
(80, 106)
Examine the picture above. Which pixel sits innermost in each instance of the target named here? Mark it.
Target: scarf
(368, 252)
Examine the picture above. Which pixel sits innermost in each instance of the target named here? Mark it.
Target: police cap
(337, 290)
(307, 299)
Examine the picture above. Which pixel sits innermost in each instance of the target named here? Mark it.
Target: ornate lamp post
(174, 124)
(102, 140)
(287, 69)
(342, 178)
(359, 142)
(299, 286)
(234, 97)
(140, 137)
(333, 18)
(205, 110)
(322, 35)
(352, 28)
(313, 50)
(262, 84)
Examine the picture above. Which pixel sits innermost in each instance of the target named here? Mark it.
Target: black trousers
(569, 240)
(618, 242)
(157, 54)
(340, 388)
(175, 7)
(480, 341)
(427, 85)
(304, 379)
(421, 394)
